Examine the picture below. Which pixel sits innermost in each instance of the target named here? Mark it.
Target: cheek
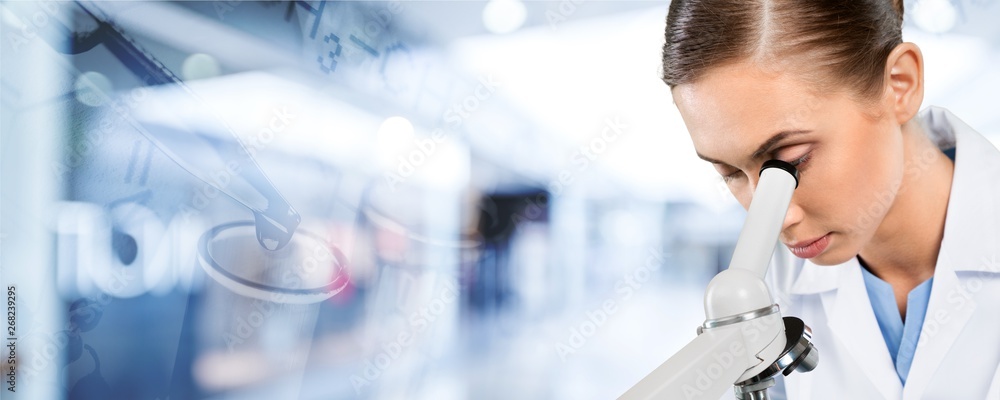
(873, 170)
(849, 193)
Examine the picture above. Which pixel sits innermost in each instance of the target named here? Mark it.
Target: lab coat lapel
(947, 313)
(853, 323)
(969, 248)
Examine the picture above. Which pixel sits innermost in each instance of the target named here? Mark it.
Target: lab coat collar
(971, 238)
(968, 244)
(969, 249)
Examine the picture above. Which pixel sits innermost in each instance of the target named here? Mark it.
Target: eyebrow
(763, 148)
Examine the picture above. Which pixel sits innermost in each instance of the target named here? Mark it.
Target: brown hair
(848, 40)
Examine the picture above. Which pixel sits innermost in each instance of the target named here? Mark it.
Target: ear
(905, 72)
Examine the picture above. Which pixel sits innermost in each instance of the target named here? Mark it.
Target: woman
(895, 225)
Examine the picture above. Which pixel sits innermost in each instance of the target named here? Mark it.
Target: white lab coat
(959, 351)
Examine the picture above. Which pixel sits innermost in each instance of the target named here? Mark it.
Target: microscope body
(774, 344)
(744, 340)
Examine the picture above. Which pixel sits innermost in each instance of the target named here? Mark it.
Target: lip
(809, 248)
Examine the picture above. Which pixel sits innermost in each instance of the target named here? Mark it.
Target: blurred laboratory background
(370, 200)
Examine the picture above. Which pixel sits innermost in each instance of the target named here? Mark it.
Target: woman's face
(850, 163)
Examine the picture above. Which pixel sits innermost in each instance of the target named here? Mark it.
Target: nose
(794, 215)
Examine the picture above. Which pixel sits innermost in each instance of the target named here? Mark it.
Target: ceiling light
(504, 16)
(935, 16)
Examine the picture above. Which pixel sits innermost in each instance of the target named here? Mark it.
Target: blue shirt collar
(901, 337)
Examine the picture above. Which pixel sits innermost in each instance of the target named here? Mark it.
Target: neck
(904, 249)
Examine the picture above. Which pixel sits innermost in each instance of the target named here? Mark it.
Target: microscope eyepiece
(783, 165)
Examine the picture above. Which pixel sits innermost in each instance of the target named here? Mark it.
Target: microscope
(744, 341)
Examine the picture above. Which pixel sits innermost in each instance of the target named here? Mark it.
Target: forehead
(734, 108)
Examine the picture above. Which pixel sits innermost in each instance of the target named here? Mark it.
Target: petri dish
(307, 270)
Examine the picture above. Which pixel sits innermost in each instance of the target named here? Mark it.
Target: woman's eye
(800, 152)
(732, 177)
(801, 160)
